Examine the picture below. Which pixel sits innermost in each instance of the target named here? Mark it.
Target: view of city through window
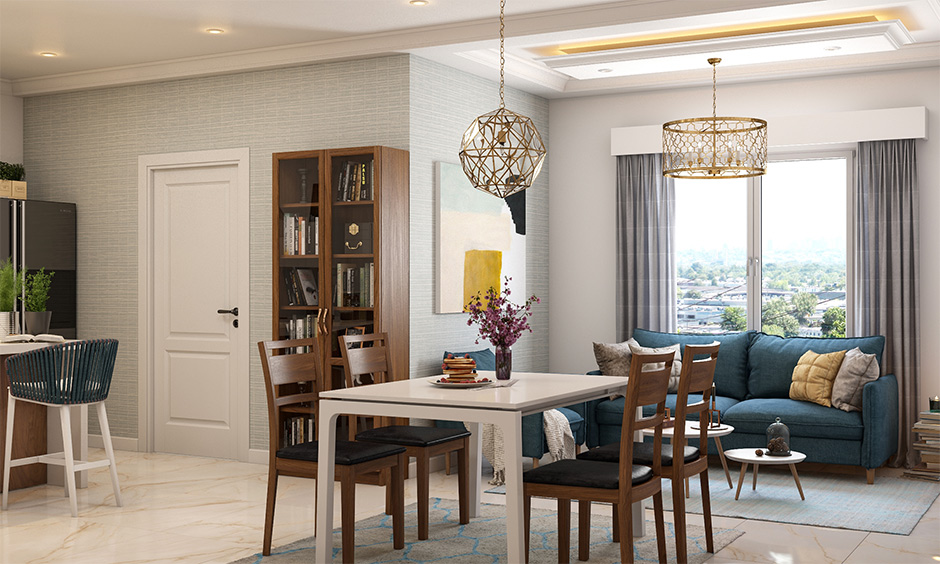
(802, 225)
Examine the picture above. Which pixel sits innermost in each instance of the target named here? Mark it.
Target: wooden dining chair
(620, 484)
(696, 378)
(291, 375)
(365, 358)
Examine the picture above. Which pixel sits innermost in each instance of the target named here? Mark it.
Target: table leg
(754, 484)
(740, 479)
(325, 475)
(476, 475)
(796, 479)
(724, 461)
(511, 425)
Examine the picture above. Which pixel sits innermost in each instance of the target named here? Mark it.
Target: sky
(803, 211)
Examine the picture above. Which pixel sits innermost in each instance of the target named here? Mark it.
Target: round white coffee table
(749, 456)
(692, 432)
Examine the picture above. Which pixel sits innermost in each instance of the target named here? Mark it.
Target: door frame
(147, 165)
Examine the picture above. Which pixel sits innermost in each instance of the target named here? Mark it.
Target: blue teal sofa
(533, 436)
(752, 383)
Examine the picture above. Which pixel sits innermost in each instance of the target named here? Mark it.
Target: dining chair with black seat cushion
(368, 355)
(74, 373)
(696, 378)
(618, 483)
(291, 375)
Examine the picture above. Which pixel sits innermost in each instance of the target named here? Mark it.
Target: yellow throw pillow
(814, 375)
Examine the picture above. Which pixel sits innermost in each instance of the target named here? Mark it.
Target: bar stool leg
(8, 449)
(69, 458)
(109, 450)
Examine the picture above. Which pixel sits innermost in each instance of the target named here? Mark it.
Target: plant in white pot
(34, 305)
(11, 284)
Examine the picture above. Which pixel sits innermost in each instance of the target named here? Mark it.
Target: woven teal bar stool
(61, 376)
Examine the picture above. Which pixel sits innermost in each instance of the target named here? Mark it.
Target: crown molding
(6, 87)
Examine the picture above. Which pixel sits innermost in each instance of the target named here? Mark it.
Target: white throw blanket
(557, 434)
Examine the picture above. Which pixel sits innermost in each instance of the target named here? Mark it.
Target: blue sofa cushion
(721, 402)
(803, 418)
(771, 359)
(731, 368)
(486, 359)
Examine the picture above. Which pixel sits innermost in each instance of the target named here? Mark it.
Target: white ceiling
(109, 42)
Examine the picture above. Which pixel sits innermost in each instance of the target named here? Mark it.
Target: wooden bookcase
(346, 229)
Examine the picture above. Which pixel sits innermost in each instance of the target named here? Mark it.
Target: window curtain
(646, 264)
(887, 275)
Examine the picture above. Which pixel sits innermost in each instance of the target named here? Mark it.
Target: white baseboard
(119, 443)
(257, 456)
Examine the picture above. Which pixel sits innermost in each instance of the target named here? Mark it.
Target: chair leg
(423, 493)
(535, 462)
(269, 504)
(386, 476)
(678, 516)
(584, 529)
(660, 526)
(397, 485)
(109, 450)
(707, 512)
(463, 481)
(526, 524)
(8, 449)
(447, 464)
(615, 517)
(564, 531)
(625, 513)
(348, 510)
(66, 422)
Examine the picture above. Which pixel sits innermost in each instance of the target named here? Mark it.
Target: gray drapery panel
(646, 264)
(887, 273)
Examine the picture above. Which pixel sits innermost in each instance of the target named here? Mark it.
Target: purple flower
(501, 321)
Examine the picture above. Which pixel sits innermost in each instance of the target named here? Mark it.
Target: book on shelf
(27, 338)
(355, 285)
(308, 285)
(930, 415)
(355, 181)
(301, 234)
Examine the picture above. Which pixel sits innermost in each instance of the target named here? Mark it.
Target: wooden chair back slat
(291, 380)
(696, 377)
(647, 384)
(365, 354)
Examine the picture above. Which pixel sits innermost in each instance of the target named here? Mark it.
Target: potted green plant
(34, 304)
(10, 171)
(11, 284)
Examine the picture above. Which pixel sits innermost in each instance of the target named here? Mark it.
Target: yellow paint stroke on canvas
(481, 270)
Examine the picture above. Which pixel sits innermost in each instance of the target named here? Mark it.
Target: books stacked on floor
(459, 369)
(927, 444)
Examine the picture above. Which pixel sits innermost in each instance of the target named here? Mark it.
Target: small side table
(692, 432)
(748, 456)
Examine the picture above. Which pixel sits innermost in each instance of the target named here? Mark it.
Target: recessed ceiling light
(605, 69)
(49, 54)
(419, 2)
(215, 31)
(832, 48)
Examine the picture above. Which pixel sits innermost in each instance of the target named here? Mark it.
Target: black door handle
(233, 311)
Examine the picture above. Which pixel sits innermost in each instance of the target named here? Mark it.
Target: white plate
(474, 384)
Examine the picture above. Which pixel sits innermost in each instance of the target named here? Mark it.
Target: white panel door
(195, 274)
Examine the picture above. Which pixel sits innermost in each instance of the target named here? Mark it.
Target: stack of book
(459, 369)
(927, 444)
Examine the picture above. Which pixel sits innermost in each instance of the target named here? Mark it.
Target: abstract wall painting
(481, 240)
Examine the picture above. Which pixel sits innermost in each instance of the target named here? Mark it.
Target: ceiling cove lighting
(48, 54)
(683, 53)
(418, 2)
(715, 147)
(215, 31)
(502, 151)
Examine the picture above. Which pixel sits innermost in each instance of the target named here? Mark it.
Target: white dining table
(502, 406)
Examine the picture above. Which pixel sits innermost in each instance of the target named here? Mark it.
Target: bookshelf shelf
(330, 201)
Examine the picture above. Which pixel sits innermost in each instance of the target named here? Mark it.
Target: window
(769, 253)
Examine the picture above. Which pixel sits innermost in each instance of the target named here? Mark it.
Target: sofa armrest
(880, 417)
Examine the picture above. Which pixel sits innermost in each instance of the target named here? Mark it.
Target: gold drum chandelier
(715, 147)
(502, 151)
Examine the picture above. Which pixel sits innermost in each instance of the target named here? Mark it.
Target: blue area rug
(484, 540)
(890, 505)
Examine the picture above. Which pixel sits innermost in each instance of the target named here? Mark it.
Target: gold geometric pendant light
(715, 147)
(502, 151)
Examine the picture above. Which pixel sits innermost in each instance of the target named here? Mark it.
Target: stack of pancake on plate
(459, 370)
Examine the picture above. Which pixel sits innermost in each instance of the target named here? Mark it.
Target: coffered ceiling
(554, 48)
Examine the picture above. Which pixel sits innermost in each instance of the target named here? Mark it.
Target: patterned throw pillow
(613, 359)
(857, 370)
(676, 364)
(813, 376)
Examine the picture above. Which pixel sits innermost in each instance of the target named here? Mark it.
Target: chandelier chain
(715, 90)
(502, 53)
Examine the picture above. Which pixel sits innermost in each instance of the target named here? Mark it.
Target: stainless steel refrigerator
(36, 235)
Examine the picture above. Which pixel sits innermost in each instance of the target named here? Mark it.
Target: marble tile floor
(195, 510)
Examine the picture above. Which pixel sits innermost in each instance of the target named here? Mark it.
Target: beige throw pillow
(635, 348)
(613, 359)
(857, 370)
(813, 377)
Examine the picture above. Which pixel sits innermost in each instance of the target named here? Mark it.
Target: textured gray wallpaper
(444, 101)
(83, 147)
